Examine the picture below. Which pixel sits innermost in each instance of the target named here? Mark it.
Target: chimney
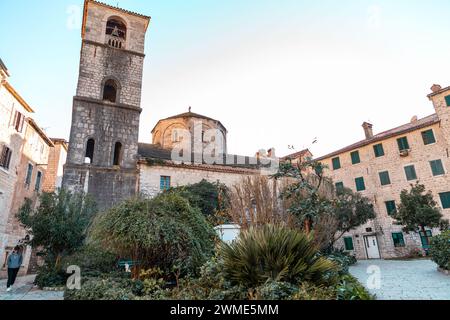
(368, 130)
(436, 88)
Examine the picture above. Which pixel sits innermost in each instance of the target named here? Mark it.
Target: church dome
(172, 130)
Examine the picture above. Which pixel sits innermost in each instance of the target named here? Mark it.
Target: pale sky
(275, 73)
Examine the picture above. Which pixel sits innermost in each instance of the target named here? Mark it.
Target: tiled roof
(155, 152)
(40, 132)
(297, 154)
(415, 125)
(120, 9)
(3, 66)
(189, 115)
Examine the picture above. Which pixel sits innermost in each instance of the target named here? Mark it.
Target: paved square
(24, 289)
(404, 280)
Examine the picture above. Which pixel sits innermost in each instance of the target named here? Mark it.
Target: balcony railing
(115, 42)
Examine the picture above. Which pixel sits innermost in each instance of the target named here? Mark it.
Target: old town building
(384, 164)
(24, 154)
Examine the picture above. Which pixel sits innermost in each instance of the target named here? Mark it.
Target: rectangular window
(391, 208)
(355, 157)
(348, 241)
(360, 185)
(339, 187)
(410, 172)
(379, 150)
(399, 241)
(29, 175)
(445, 200)
(165, 183)
(5, 157)
(19, 119)
(425, 239)
(336, 163)
(403, 143)
(447, 101)
(384, 178)
(437, 168)
(428, 137)
(37, 186)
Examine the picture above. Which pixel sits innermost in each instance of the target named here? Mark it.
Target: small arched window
(110, 91)
(117, 154)
(116, 33)
(90, 146)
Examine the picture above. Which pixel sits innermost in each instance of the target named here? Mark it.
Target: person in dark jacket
(14, 262)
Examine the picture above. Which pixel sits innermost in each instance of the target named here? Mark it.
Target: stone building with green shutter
(382, 165)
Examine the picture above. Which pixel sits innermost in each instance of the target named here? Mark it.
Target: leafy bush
(273, 290)
(350, 289)
(440, 250)
(92, 260)
(309, 291)
(102, 288)
(341, 258)
(274, 253)
(165, 232)
(50, 276)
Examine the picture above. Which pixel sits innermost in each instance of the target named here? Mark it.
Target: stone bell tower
(102, 156)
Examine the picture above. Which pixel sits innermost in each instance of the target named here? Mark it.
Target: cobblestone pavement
(403, 280)
(24, 289)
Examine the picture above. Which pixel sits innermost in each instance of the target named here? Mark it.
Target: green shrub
(274, 253)
(440, 250)
(165, 232)
(50, 276)
(309, 291)
(106, 288)
(343, 259)
(350, 289)
(273, 290)
(92, 260)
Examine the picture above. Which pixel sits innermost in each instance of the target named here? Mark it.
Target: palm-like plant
(274, 253)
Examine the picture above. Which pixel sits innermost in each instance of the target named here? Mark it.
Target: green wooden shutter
(445, 200)
(428, 137)
(360, 186)
(437, 168)
(355, 157)
(348, 241)
(398, 239)
(391, 208)
(379, 150)
(410, 172)
(447, 101)
(336, 163)
(403, 143)
(339, 187)
(384, 178)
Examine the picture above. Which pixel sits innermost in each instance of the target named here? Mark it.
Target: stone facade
(419, 154)
(56, 160)
(105, 125)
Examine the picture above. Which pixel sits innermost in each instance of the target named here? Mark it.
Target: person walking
(14, 262)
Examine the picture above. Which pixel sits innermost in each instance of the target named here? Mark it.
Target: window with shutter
(398, 239)
(428, 137)
(355, 157)
(360, 185)
(37, 186)
(29, 175)
(445, 200)
(164, 183)
(336, 163)
(437, 168)
(410, 172)
(403, 144)
(447, 101)
(378, 150)
(339, 187)
(348, 241)
(384, 178)
(5, 157)
(391, 208)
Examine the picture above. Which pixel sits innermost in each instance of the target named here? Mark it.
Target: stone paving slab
(403, 280)
(24, 289)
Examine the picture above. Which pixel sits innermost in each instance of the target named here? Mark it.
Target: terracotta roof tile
(421, 123)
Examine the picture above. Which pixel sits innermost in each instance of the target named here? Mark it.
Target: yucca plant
(274, 253)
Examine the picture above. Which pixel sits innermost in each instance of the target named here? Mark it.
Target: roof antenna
(190, 108)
